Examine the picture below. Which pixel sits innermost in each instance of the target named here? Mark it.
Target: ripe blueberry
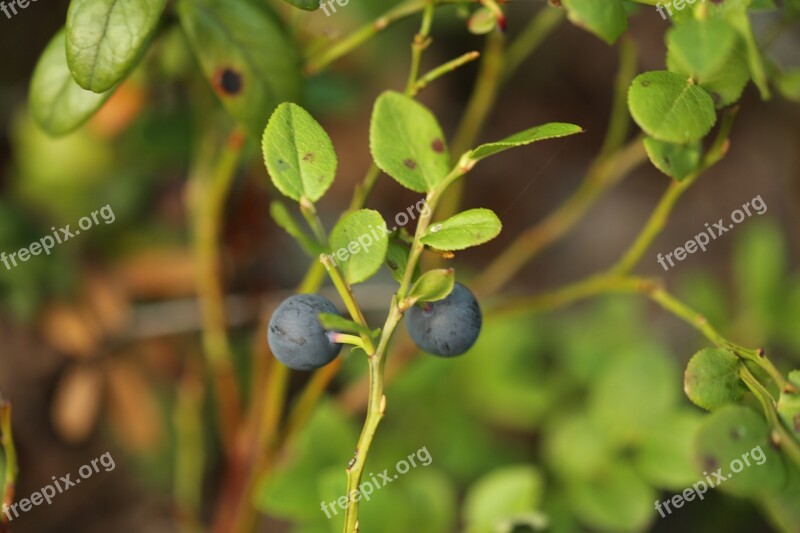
(296, 337)
(448, 327)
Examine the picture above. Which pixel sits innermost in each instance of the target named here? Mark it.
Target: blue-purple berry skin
(296, 336)
(446, 328)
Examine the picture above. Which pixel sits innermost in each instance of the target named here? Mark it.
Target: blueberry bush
(554, 419)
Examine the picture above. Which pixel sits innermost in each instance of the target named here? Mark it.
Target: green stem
(376, 406)
(561, 221)
(477, 111)
(317, 62)
(346, 293)
(209, 191)
(443, 69)
(537, 30)
(418, 45)
(780, 435)
(312, 219)
(658, 218)
(11, 468)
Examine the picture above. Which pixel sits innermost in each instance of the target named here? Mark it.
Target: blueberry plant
(256, 56)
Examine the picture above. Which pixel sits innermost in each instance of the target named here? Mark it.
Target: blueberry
(448, 327)
(296, 337)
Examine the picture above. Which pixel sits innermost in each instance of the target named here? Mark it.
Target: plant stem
(376, 405)
(478, 108)
(558, 223)
(441, 70)
(780, 435)
(209, 191)
(406, 9)
(349, 301)
(658, 219)
(537, 30)
(419, 44)
(10, 454)
(312, 219)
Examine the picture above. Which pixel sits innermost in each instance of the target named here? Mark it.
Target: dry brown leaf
(135, 413)
(77, 403)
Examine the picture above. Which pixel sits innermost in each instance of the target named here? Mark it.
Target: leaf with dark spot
(246, 38)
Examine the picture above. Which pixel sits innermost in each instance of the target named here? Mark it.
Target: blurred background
(575, 418)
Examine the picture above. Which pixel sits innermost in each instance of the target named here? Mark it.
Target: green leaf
(712, 379)
(482, 21)
(396, 260)
(341, 324)
(432, 286)
(675, 160)
(666, 455)
(788, 84)
(650, 378)
(781, 504)
(728, 439)
(105, 39)
(726, 83)
(466, 229)
(407, 142)
(618, 500)
(760, 265)
(551, 130)
(358, 244)
(741, 21)
(701, 48)
(298, 153)
(502, 495)
(606, 19)
(670, 108)
(284, 220)
(577, 448)
(789, 406)
(292, 489)
(305, 5)
(57, 103)
(246, 56)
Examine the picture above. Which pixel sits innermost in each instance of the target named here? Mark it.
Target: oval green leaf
(606, 19)
(502, 494)
(466, 229)
(675, 160)
(701, 48)
(407, 142)
(298, 153)
(432, 286)
(57, 103)
(730, 438)
(712, 379)
(551, 130)
(358, 244)
(482, 21)
(670, 108)
(105, 38)
(246, 56)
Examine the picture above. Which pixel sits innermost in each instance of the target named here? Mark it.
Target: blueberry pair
(446, 328)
